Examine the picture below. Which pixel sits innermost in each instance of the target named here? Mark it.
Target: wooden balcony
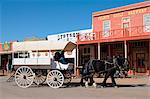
(132, 33)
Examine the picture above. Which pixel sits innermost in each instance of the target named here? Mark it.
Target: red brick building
(120, 31)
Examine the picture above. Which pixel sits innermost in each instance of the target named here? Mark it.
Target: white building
(68, 36)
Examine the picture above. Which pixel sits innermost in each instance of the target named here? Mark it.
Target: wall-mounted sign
(138, 11)
(6, 46)
(121, 14)
(104, 17)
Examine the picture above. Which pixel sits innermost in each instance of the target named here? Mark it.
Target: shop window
(106, 28)
(138, 44)
(147, 23)
(104, 48)
(118, 46)
(88, 50)
(85, 51)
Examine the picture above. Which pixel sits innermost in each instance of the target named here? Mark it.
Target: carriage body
(33, 62)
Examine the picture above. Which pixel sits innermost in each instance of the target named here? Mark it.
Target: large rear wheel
(24, 76)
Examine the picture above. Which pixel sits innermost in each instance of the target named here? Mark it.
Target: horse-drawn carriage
(34, 62)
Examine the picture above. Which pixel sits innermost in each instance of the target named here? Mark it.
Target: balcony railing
(115, 34)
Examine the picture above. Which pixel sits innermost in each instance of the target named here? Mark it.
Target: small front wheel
(55, 79)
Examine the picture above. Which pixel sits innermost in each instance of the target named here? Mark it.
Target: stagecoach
(33, 63)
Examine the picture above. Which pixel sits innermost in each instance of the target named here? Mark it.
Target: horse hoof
(101, 86)
(86, 86)
(94, 85)
(115, 86)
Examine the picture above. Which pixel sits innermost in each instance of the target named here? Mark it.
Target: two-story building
(121, 31)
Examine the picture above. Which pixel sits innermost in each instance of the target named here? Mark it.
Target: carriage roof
(42, 45)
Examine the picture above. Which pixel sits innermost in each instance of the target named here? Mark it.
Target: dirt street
(129, 88)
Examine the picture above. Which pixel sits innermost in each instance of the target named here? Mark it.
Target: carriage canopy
(42, 45)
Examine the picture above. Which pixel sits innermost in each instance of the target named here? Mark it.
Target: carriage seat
(60, 66)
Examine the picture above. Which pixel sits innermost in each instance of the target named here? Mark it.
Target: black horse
(108, 68)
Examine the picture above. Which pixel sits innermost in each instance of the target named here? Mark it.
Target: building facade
(121, 31)
(67, 36)
(5, 56)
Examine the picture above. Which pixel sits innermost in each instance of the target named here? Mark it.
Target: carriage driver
(60, 57)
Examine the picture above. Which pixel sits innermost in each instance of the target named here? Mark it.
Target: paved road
(137, 88)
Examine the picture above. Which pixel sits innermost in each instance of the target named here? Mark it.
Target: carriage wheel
(39, 79)
(55, 79)
(24, 76)
(67, 77)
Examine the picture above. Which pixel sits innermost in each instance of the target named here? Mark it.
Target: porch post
(75, 61)
(77, 71)
(99, 54)
(149, 57)
(0, 62)
(125, 49)
(109, 50)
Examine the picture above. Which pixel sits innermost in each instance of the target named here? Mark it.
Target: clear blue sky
(20, 19)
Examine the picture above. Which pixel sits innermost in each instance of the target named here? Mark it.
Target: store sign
(121, 14)
(6, 46)
(118, 15)
(138, 11)
(104, 17)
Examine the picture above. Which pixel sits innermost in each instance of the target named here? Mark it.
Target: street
(129, 88)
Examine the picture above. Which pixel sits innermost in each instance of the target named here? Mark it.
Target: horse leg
(93, 82)
(86, 82)
(81, 81)
(113, 80)
(105, 79)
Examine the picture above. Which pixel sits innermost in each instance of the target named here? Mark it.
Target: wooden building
(120, 31)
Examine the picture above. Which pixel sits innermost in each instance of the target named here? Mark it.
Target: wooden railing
(116, 34)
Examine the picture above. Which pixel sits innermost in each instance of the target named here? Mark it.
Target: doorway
(140, 63)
